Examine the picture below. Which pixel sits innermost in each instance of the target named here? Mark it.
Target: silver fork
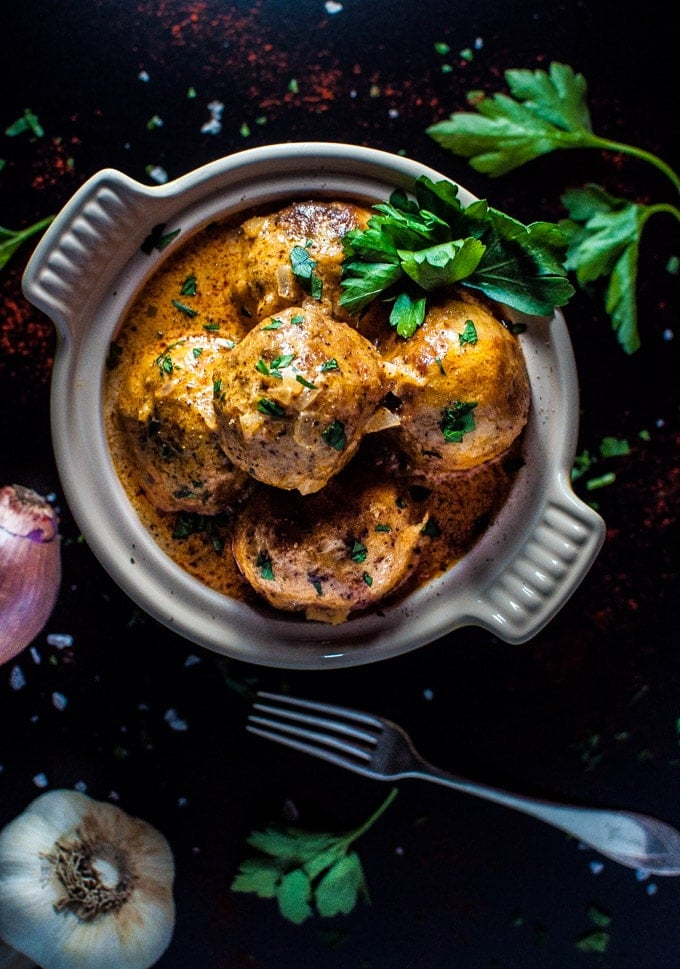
(379, 749)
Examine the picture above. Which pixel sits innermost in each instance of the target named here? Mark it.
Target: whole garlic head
(83, 885)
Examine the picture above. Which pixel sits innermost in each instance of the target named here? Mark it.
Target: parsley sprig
(413, 246)
(306, 870)
(545, 112)
(12, 239)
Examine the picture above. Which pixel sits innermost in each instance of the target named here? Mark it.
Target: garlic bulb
(30, 567)
(83, 885)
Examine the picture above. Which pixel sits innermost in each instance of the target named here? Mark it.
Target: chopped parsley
(305, 383)
(469, 334)
(263, 562)
(189, 287)
(274, 368)
(28, 122)
(183, 308)
(164, 361)
(270, 407)
(330, 364)
(218, 393)
(192, 523)
(358, 552)
(304, 266)
(158, 239)
(334, 436)
(457, 420)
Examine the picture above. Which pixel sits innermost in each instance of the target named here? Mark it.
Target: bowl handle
(96, 231)
(546, 570)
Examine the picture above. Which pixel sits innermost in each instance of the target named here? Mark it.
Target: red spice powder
(27, 338)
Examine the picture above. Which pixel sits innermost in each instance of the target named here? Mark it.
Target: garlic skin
(83, 885)
(30, 567)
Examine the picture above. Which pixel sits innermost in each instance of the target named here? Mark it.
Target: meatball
(296, 395)
(339, 551)
(308, 232)
(460, 385)
(166, 416)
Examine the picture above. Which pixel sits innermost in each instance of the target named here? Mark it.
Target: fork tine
(336, 745)
(341, 712)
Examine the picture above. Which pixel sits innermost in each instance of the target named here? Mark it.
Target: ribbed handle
(95, 232)
(547, 569)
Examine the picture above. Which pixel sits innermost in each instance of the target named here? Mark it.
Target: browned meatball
(330, 554)
(461, 384)
(310, 232)
(296, 396)
(166, 415)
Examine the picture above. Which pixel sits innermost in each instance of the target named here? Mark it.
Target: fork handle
(631, 839)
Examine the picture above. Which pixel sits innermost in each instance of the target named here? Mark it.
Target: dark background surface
(588, 711)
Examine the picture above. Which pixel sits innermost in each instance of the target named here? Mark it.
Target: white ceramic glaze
(84, 273)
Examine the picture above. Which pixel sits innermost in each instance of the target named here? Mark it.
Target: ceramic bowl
(84, 274)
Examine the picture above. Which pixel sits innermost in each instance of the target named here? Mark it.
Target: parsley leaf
(11, 240)
(27, 122)
(546, 111)
(306, 870)
(303, 267)
(414, 246)
(604, 240)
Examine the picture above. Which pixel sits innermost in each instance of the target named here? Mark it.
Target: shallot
(30, 567)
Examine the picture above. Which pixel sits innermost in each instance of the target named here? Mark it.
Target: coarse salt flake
(60, 640)
(17, 680)
(158, 174)
(40, 780)
(332, 7)
(596, 867)
(174, 721)
(59, 701)
(214, 125)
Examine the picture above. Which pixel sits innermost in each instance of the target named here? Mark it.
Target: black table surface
(588, 711)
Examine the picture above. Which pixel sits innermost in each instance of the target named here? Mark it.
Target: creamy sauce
(460, 509)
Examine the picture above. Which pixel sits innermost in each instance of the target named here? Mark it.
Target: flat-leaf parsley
(412, 246)
(307, 871)
(544, 112)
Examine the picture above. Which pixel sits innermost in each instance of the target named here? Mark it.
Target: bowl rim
(84, 273)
